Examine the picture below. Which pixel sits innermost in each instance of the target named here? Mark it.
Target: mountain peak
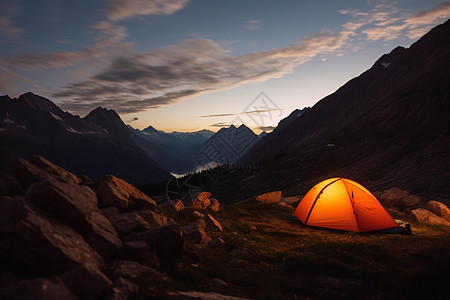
(37, 102)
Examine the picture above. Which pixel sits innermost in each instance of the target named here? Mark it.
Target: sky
(187, 65)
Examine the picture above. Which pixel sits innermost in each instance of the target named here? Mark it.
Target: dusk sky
(187, 65)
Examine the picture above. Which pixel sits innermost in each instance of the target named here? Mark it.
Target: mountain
(226, 146)
(95, 145)
(174, 151)
(387, 127)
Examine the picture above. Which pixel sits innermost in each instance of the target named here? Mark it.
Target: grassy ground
(266, 256)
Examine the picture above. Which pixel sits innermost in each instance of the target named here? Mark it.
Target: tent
(340, 203)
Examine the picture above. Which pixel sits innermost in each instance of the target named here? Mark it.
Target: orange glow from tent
(340, 203)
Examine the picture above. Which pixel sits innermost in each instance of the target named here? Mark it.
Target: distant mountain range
(387, 127)
(95, 145)
(100, 143)
(184, 152)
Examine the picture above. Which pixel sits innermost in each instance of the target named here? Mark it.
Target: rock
(409, 201)
(217, 243)
(85, 180)
(123, 289)
(192, 295)
(217, 283)
(54, 170)
(178, 205)
(9, 186)
(391, 196)
(32, 241)
(283, 204)
(37, 289)
(167, 240)
(110, 212)
(138, 273)
(77, 206)
(212, 221)
(201, 201)
(272, 197)
(198, 214)
(27, 173)
(119, 193)
(87, 283)
(439, 209)
(196, 234)
(215, 205)
(427, 217)
(152, 218)
(290, 200)
(128, 222)
(201, 222)
(138, 251)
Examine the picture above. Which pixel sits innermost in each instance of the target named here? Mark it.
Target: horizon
(171, 66)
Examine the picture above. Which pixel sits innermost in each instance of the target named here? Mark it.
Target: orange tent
(341, 203)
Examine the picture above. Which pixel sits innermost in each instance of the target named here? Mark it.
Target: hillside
(389, 126)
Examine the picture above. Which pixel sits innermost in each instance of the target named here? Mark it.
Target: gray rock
(138, 273)
(77, 206)
(123, 289)
(196, 234)
(87, 283)
(33, 241)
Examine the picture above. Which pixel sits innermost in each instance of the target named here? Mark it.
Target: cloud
(8, 9)
(385, 22)
(252, 24)
(123, 9)
(241, 113)
(266, 128)
(220, 124)
(164, 76)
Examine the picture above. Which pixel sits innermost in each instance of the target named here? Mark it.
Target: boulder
(110, 212)
(123, 289)
(409, 201)
(138, 273)
(201, 201)
(54, 170)
(427, 217)
(128, 222)
(167, 240)
(178, 205)
(152, 218)
(27, 173)
(439, 209)
(85, 180)
(271, 197)
(210, 220)
(87, 283)
(32, 241)
(10, 186)
(201, 222)
(37, 289)
(391, 196)
(119, 193)
(196, 234)
(138, 251)
(215, 205)
(77, 206)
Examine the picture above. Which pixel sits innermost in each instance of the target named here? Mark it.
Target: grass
(267, 256)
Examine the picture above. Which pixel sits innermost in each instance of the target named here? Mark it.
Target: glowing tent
(341, 203)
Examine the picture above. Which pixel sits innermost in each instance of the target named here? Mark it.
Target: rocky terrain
(65, 236)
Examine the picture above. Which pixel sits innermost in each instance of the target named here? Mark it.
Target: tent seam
(317, 197)
(353, 207)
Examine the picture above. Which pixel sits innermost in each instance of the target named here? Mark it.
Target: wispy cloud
(166, 75)
(123, 9)
(220, 124)
(9, 9)
(266, 128)
(252, 24)
(386, 22)
(241, 113)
